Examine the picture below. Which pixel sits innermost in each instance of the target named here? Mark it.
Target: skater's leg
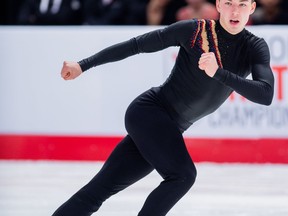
(124, 167)
(162, 145)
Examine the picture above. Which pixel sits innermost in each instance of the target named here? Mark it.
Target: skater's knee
(187, 177)
(190, 175)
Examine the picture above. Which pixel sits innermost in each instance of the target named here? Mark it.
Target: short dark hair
(252, 1)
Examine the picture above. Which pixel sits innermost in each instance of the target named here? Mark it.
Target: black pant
(153, 142)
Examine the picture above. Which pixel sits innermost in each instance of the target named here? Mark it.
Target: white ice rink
(37, 188)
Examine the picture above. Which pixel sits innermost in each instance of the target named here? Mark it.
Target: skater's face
(234, 14)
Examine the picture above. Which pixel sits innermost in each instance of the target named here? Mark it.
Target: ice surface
(37, 188)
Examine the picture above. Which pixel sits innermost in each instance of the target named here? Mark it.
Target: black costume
(156, 119)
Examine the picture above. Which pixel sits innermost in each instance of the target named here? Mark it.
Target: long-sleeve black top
(188, 91)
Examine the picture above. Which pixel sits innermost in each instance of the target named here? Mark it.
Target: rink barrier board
(98, 148)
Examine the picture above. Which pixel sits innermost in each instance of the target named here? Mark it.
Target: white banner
(35, 100)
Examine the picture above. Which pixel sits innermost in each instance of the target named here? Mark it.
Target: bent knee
(189, 176)
(186, 177)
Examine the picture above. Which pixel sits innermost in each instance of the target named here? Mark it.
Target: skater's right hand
(70, 70)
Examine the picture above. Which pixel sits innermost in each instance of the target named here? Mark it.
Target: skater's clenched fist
(208, 63)
(70, 70)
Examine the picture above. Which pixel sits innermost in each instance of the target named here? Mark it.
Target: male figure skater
(214, 59)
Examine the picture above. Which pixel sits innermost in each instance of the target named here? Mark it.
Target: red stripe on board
(98, 148)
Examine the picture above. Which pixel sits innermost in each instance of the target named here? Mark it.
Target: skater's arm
(261, 88)
(173, 35)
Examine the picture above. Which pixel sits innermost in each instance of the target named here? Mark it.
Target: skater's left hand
(208, 63)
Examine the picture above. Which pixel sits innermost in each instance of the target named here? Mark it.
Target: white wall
(35, 100)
